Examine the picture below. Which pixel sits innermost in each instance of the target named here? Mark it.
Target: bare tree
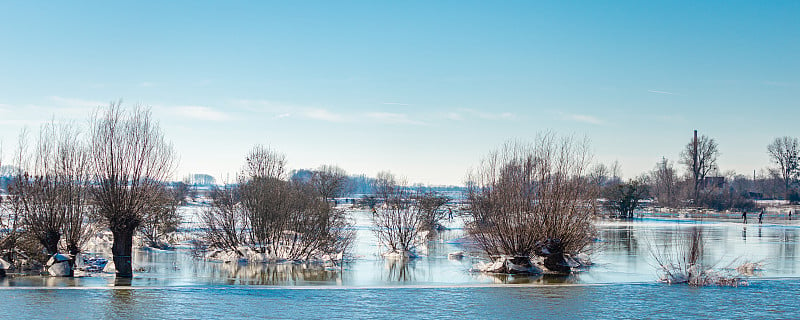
(599, 175)
(9, 224)
(282, 219)
(72, 164)
(330, 181)
(33, 199)
(700, 157)
(399, 220)
(533, 200)
(264, 197)
(664, 183)
(430, 204)
(49, 193)
(161, 218)
(131, 159)
(224, 220)
(785, 154)
(48, 187)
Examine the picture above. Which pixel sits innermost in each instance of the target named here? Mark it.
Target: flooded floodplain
(621, 283)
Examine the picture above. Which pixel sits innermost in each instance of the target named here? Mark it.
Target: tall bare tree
(265, 197)
(533, 199)
(72, 164)
(50, 190)
(785, 154)
(700, 157)
(664, 183)
(34, 196)
(131, 160)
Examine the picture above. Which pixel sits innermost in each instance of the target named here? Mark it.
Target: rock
(4, 265)
(59, 266)
(580, 260)
(572, 263)
(553, 252)
(510, 265)
(110, 267)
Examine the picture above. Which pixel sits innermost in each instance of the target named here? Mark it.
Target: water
(621, 284)
(762, 299)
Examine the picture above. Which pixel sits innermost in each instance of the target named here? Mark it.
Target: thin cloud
(455, 116)
(584, 119)
(280, 111)
(662, 92)
(323, 115)
(388, 117)
(489, 116)
(264, 106)
(147, 84)
(201, 113)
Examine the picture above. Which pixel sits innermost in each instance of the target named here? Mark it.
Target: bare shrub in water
(680, 260)
(224, 220)
(280, 219)
(430, 204)
(161, 218)
(398, 220)
(533, 200)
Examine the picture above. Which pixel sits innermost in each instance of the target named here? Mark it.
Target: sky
(424, 89)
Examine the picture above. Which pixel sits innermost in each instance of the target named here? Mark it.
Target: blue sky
(421, 88)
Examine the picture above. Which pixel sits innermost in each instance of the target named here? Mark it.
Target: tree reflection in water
(787, 250)
(400, 270)
(121, 302)
(269, 273)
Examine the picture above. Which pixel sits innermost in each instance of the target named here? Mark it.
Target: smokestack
(694, 159)
(695, 172)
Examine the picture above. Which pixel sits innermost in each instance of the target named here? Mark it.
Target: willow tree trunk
(50, 241)
(73, 255)
(122, 249)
